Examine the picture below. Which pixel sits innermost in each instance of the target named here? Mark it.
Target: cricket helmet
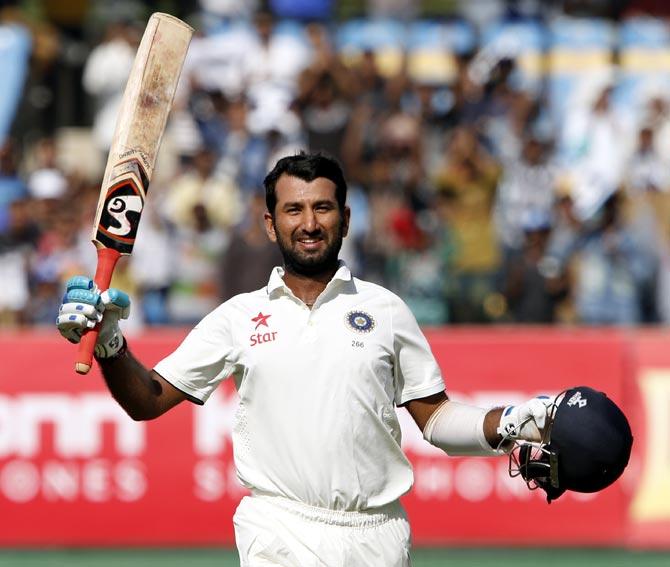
(587, 446)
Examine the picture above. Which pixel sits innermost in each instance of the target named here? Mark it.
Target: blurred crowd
(469, 198)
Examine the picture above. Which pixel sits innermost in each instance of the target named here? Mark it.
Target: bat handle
(107, 258)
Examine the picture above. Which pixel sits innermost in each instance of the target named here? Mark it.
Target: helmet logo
(577, 400)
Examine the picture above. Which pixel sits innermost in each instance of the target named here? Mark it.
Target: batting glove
(526, 421)
(84, 307)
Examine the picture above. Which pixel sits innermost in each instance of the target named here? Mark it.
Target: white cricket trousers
(274, 531)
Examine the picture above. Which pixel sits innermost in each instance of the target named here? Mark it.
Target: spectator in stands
(657, 116)
(400, 153)
(60, 254)
(248, 240)
(271, 68)
(18, 241)
(198, 186)
(416, 270)
(209, 111)
(369, 82)
(526, 187)
(325, 114)
(105, 75)
(203, 208)
(468, 180)
(47, 184)
(243, 155)
(47, 180)
(647, 201)
(199, 245)
(610, 269)
(507, 112)
(215, 63)
(324, 98)
(468, 94)
(589, 152)
(646, 169)
(534, 284)
(648, 190)
(153, 266)
(432, 105)
(498, 90)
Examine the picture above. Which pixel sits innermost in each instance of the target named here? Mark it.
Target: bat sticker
(120, 215)
(119, 208)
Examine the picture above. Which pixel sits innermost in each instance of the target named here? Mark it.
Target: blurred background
(508, 165)
(508, 161)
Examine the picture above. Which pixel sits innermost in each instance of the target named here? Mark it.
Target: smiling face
(308, 224)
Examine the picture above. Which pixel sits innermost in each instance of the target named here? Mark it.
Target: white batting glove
(84, 307)
(526, 421)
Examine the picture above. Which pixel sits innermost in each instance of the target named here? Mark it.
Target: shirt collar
(276, 281)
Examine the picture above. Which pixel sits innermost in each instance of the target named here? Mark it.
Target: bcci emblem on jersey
(359, 321)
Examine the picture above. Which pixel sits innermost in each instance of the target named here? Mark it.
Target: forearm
(133, 386)
(464, 430)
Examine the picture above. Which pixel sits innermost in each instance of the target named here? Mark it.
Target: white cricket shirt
(316, 420)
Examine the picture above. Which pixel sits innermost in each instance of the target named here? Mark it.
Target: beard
(311, 263)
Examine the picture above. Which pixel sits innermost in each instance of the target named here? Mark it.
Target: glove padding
(526, 421)
(84, 307)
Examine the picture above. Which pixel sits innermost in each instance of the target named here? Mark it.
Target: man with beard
(320, 359)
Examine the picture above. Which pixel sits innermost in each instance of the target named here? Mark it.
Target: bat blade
(140, 124)
(146, 104)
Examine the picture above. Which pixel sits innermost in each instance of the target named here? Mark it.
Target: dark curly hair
(307, 167)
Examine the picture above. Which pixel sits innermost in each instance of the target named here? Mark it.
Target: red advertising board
(75, 470)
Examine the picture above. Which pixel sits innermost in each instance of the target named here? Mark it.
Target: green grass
(421, 558)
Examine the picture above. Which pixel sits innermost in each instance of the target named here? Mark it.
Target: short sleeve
(416, 372)
(204, 358)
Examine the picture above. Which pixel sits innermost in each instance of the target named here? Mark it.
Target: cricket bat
(146, 104)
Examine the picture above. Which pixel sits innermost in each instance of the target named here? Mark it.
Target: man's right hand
(527, 421)
(84, 307)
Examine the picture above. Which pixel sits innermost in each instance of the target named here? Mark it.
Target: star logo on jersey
(261, 337)
(261, 319)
